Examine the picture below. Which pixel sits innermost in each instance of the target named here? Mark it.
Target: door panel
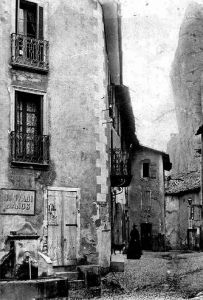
(62, 226)
(70, 226)
(54, 227)
(146, 236)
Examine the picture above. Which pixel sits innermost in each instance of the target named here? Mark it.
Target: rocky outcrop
(186, 76)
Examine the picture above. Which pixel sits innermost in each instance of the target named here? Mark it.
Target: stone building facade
(184, 212)
(64, 108)
(146, 196)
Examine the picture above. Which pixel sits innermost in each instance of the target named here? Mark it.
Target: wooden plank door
(146, 236)
(62, 217)
(69, 201)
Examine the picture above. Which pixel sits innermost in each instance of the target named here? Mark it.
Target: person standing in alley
(134, 249)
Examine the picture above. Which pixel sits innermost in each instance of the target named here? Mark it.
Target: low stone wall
(33, 289)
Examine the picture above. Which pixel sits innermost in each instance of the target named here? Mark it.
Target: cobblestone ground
(170, 275)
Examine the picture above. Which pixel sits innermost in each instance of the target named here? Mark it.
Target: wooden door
(146, 236)
(62, 217)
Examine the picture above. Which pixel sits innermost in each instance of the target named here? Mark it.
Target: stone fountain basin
(33, 289)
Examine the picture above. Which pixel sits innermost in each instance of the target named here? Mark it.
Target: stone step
(64, 268)
(76, 284)
(85, 293)
(70, 275)
(56, 298)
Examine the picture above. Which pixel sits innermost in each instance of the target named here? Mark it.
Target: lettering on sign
(17, 202)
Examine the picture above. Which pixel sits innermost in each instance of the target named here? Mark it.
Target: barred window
(28, 125)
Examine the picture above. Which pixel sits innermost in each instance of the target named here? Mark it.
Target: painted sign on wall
(17, 202)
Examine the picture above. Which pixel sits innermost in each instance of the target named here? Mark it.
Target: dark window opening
(27, 19)
(27, 143)
(116, 120)
(145, 169)
(110, 100)
(114, 112)
(28, 47)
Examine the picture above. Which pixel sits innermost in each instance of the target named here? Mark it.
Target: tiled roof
(182, 183)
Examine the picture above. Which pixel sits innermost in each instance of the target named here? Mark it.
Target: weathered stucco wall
(138, 185)
(76, 96)
(177, 215)
(186, 83)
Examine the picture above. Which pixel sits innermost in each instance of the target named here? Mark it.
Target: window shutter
(153, 170)
(41, 23)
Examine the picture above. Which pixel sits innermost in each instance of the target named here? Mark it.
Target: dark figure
(134, 248)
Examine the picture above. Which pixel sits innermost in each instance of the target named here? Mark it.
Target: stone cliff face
(186, 73)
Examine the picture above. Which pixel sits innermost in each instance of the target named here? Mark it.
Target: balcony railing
(29, 52)
(120, 168)
(29, 148)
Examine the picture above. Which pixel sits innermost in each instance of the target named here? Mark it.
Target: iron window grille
(28, 144)
(29, 52)
(119, 162)
(120, 168)
(29, 148)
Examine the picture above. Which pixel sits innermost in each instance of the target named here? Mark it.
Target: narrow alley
(157, 275)
(101, 149)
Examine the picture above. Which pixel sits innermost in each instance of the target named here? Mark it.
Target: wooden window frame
(13, 89)
(27, 144)
(27, 163)
(39, 17)
(40, 116)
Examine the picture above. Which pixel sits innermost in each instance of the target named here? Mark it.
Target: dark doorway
(146, 236)
(191, 238)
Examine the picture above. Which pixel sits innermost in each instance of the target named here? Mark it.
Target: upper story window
(145, 170)
(27, 44)
(27, 19)
(114, 111)
(148, 169)
(28, 144)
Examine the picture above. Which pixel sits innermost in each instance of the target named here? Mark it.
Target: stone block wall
(138, 213)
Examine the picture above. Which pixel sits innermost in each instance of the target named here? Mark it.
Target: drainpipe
(164, 219)
(120, 42)
(201, 188)
(30, 273)
(201, 170)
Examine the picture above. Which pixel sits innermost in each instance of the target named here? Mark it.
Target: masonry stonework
(146, 198)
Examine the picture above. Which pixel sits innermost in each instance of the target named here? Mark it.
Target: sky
(150, 37)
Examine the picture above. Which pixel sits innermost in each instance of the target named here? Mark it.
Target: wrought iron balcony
(29, 52)
(120, 168)
(29, 149)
